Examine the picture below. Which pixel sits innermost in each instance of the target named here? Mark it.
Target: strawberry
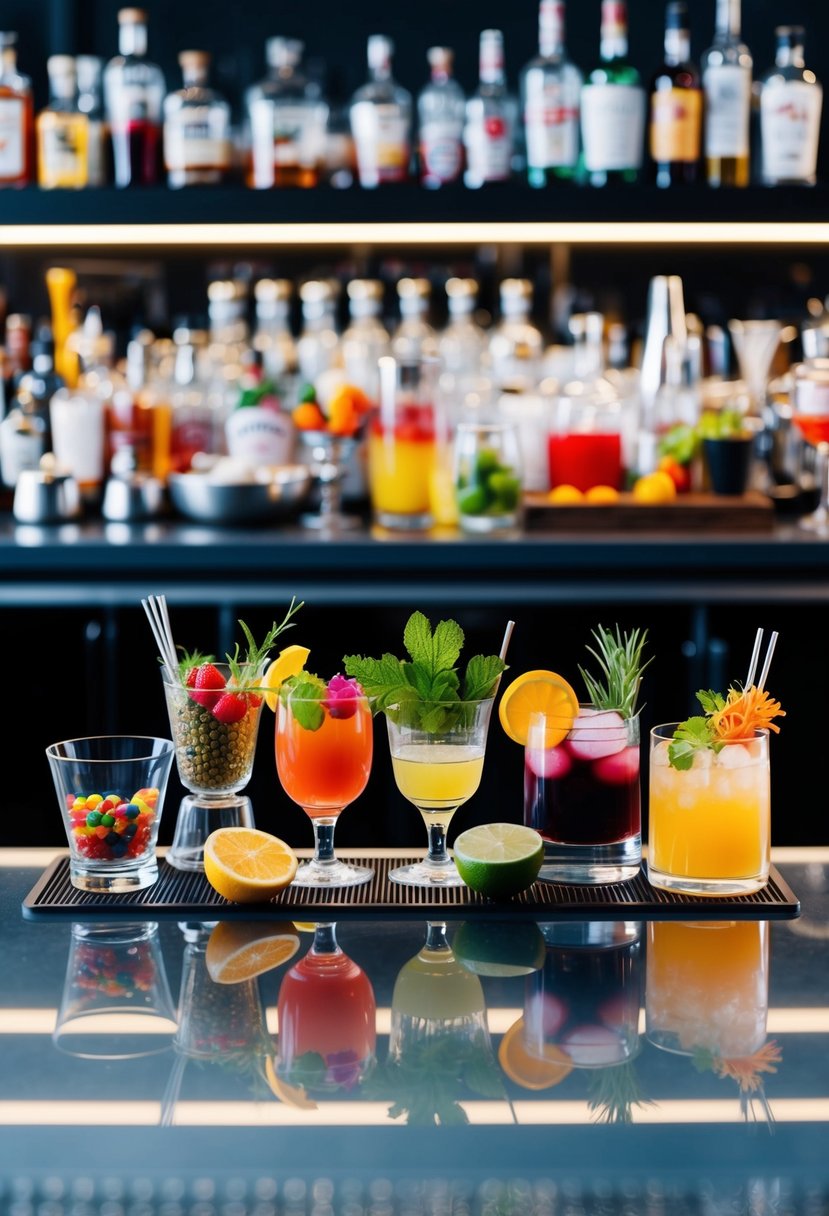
(190, 678)
(230, 707)
(208, 686)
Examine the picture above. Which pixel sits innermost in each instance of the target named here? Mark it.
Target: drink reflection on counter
(708, 997)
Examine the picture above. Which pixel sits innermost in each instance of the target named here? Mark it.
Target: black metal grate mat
(186, 895)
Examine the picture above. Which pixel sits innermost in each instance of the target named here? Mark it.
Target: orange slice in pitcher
(538, 692)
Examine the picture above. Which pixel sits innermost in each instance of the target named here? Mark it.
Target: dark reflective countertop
(470, 1067)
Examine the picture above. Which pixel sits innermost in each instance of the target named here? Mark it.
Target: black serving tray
(184, 895)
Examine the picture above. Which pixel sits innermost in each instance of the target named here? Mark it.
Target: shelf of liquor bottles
(411, 215)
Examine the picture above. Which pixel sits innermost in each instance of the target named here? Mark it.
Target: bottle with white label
(288, 115)
(675, 132)
(726, 82)
(440, 111)
(791, 100)
(133, 99)
(613, 106)
(196, 128)
(550, 92)
(381, 120)
(16, 118)
(491, 118)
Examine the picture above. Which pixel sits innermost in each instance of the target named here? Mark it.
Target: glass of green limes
(488, 477)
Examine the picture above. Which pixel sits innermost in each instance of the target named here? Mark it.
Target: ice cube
(703, 759)
(734, 755)
(659, 755)
(548, 761)
(620, 768)
(597, 733)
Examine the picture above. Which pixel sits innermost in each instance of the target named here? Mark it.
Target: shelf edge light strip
(450, 233)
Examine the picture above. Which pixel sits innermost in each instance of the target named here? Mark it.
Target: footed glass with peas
(488, 477)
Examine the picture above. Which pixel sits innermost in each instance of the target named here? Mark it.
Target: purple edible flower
(341, 697)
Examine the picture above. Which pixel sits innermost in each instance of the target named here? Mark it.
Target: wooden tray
(750, 512)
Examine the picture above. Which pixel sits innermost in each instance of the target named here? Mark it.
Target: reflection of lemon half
(305, 926)
(291, 1095)
(529, 1071)
(241, 950)
(289, 662)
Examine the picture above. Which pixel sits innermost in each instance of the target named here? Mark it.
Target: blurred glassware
(402, 444)
(811, 416)
(414, 338)
(488, 478)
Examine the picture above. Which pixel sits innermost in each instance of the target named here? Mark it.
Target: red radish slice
(548, 761)
(593, 1046)
(597, 733)
(619, 769)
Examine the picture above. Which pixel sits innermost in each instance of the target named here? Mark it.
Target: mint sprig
(304, 695)
(426, 690)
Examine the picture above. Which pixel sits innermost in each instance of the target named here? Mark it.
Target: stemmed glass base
(437, 869)
(324, 869)
(197, 818)
(328, 456)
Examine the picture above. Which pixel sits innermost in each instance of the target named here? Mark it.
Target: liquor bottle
(381, 120)
(196, 128)
(440, 110)
(89, 70)
(550, 93)
(62, 131)
(676, 105)
(414, 339)
(791, 100)
(193, 427)
(318, 347)
(288, 116)
(16, 118)
(726, 82)
(613, 106)
(365, 339)
(515, 343)
(489, 132)
(134, 92)
(463, 343)
(272, 337)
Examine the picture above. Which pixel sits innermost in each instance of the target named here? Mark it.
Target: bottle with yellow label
(62, 131)
(676, 106)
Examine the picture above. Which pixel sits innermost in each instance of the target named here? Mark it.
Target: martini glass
(323, 758)
(755, 344)
(811, 417)
(437, 754)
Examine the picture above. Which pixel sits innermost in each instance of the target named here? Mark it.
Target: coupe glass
(437, 770)
(811, 417)
(323, 758)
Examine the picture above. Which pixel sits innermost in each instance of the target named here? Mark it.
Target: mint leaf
(304, 697)
(482, 672)
(432, 686)
(692, 735)
(308, 1070)
(434, 651)
(710, 701)
(383, 680)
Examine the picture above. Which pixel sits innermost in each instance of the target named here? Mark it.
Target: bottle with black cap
(676, 105)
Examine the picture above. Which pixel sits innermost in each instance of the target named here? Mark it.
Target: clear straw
(157, 615)
(504, 647)
(755, 655)
(764, 673)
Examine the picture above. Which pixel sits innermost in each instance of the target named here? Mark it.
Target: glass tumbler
(487, 474)
(402, 445)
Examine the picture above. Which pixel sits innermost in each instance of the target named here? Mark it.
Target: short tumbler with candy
(110, 791)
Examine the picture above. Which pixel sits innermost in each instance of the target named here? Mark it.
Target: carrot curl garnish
(746, 712)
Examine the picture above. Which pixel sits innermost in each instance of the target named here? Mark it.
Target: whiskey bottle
(16, 118)
(550, 93)
(62, 131)
(726, 81)
(676, 105)
(613, 106)
(196, 128)
(288, 116)
(791, 100)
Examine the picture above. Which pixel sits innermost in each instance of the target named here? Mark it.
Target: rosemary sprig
(619, 656)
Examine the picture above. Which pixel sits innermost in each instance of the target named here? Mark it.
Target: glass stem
(324, 841)
(437, 855)
(325, 938)
(436, 936)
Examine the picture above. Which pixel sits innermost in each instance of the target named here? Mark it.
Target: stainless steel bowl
(277, 493)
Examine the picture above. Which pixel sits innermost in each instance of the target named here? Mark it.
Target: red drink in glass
(586, 459)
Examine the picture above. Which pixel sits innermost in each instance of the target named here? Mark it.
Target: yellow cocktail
(401, 463)
(710, 824)
(437, 777)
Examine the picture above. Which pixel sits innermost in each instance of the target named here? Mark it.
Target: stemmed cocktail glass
(437, 753)
(323, 757)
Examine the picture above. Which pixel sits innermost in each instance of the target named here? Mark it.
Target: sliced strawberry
(208, 686)
(231, 707)
(190, 678)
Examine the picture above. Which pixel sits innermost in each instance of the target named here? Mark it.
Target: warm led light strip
(375, 1114)
(573, 232)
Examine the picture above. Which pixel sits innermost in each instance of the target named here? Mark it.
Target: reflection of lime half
(498, 948)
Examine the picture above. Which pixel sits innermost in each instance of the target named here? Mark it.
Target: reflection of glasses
(116, 1002)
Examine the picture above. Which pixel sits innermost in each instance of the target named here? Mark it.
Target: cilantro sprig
(426, 690)
(696, 733)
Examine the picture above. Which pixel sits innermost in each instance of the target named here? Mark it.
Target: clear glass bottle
(491, 118)
(550, 96)
(134, 91)
(676, 106)
(318, 346)
(791, 102)
(381, 120)
(516, 346)
(288, 117)
(365, 339)
(90, 70)
(16, 118)
(726, 81)
(613, 106)
(414, 339)
(272, 338)
(62, 131)
(463, 343)
(440, 110)
(196, 127)
(193, 428)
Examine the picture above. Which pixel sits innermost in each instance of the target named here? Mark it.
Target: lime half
(499, 948)
(499, 860)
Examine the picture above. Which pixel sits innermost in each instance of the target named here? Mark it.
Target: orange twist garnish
(746, 712)
(747, 1071)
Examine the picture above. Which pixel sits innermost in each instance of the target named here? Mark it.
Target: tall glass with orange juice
(324, 747)
(402, 447)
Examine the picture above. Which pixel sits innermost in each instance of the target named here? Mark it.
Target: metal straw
(755, 655)
(764, 673)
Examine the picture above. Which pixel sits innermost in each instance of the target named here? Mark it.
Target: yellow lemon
(656, 487)
(602, 494)
(246, 865)
(289, 662)
(565, 494)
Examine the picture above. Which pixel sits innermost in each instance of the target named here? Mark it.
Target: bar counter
(186, 1127)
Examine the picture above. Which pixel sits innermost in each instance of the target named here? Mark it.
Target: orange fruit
(565, 494)
(602, 494)
(656, 487)
(246, 865)
(241, 950)
(289, 662)
(529, 1071)
(538, 692)
(308, 417)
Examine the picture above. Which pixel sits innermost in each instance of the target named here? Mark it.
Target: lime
(499, 859)
(472, 501)
(500, 948)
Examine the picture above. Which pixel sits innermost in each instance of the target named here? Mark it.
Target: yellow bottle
(62, 131)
